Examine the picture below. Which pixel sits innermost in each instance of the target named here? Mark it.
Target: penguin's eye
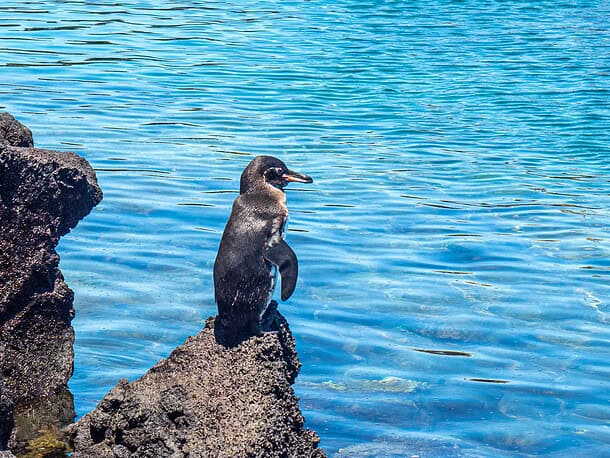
(274, 174)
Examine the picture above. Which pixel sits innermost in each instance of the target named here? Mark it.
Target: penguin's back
(243, 279)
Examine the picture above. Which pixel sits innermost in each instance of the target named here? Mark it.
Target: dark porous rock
(13, 133)
(6, 411)
(43, 194)
(206, 400)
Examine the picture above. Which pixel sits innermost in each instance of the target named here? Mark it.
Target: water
(460, 152)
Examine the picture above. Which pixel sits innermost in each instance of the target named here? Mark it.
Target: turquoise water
(460, 152)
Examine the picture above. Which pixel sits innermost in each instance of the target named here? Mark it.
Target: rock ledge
(206, 400)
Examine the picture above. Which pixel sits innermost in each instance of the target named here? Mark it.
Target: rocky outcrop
(203, 400)
(206, 400)
(13, 133)
(43, 194)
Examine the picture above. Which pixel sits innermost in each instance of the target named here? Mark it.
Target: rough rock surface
(13, 133)
(6, 410)
(206, 400)
(43, 194)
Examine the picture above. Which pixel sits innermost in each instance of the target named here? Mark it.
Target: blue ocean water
(454, 249)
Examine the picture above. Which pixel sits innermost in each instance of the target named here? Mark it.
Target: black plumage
(252, 248)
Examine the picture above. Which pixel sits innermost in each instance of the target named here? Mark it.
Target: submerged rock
(43, 194)
(206, 400)
(393, 447)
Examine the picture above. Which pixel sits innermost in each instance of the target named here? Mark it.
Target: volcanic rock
(13, 133)
(43, 194)
(206, 400)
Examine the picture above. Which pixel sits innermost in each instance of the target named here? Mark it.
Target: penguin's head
(269, 171)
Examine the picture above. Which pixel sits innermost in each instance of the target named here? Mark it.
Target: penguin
(252, 249)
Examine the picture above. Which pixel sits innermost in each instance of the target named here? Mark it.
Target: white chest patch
(273, 275)
(278, 231)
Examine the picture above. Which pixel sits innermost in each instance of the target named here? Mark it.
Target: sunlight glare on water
(454, 248)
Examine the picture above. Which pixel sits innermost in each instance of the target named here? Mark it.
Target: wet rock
(43, 194)
(206, 400)
(37, 425)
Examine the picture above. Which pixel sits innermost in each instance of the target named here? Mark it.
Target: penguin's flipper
(284, 258)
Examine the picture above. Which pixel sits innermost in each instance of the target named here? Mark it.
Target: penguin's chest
(272, 282)
(278, 232)
(277, 235)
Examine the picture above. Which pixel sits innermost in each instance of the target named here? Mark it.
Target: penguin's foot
(228, 332)
(255, 329)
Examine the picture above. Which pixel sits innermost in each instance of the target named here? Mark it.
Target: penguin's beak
(297, 177)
